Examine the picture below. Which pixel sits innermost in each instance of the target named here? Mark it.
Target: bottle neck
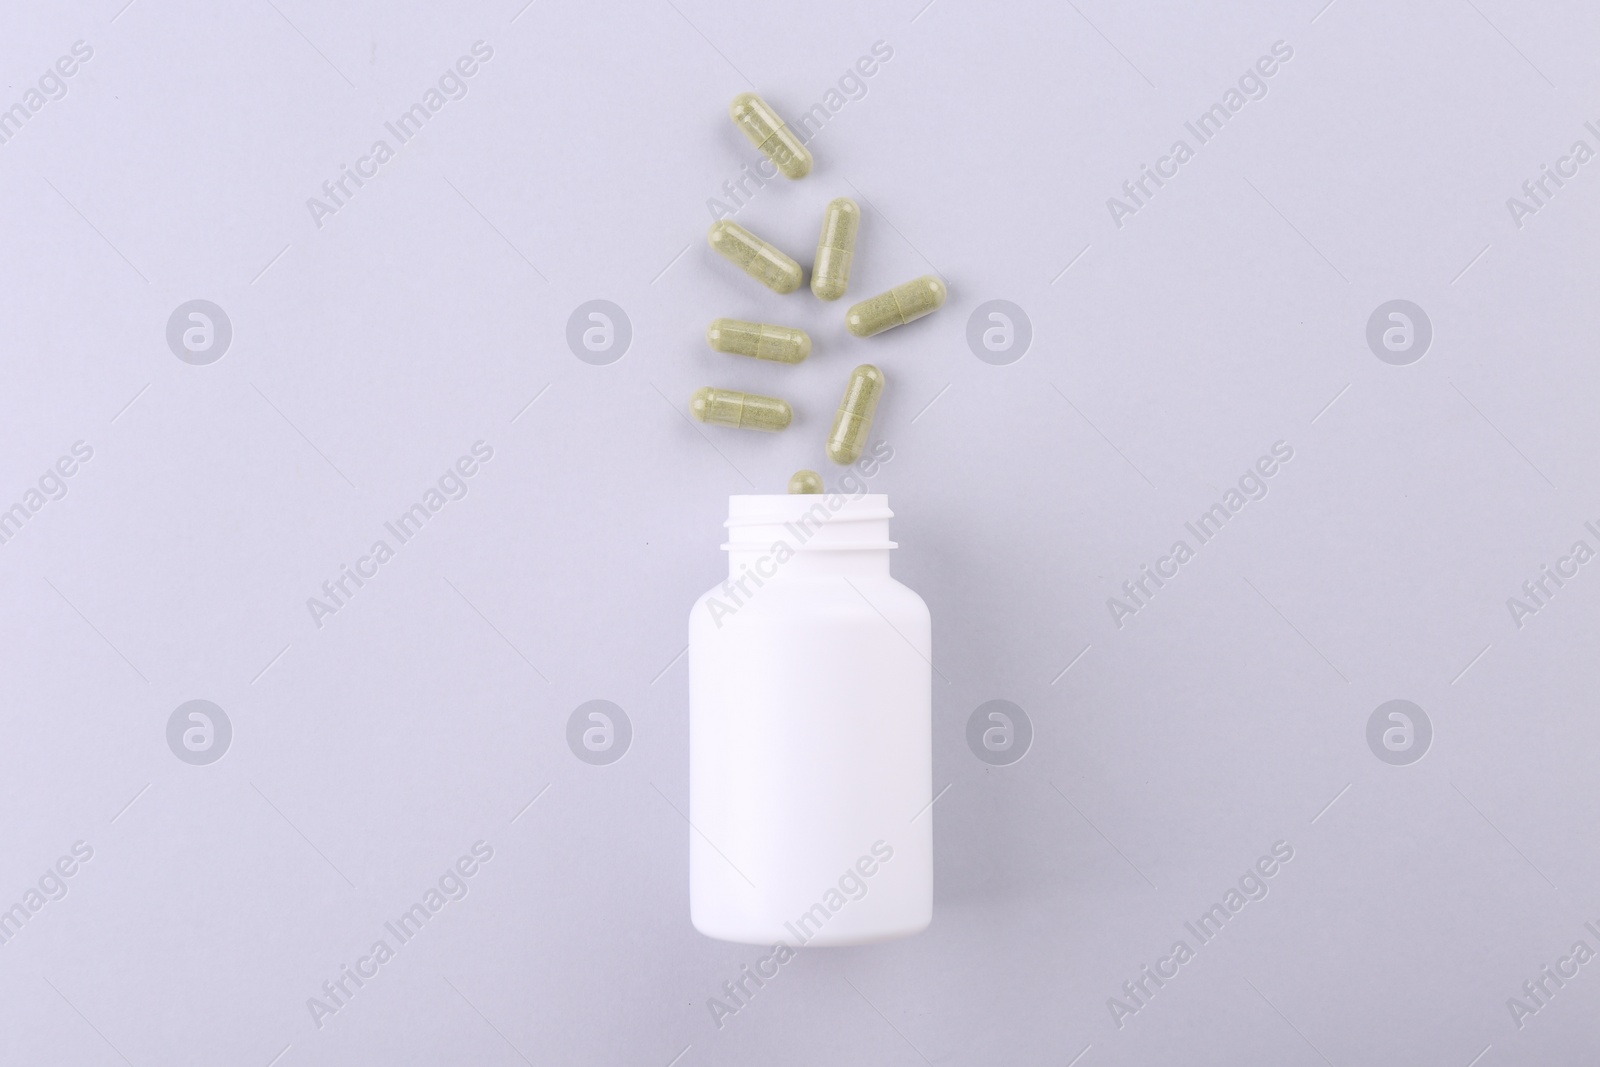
(773, 563)
(824, 535)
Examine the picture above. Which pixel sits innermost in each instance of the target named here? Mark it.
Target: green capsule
(771, 135)
(781, 344)
(854, 421)
(742, 411)
(807, 482)
(755, 257)
(897, 307)
(830, 274)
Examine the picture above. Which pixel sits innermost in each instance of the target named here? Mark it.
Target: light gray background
(370, 353)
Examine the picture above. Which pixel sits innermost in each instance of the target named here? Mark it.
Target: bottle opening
(809, 522)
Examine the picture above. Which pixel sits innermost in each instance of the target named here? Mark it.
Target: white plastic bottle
(810, 731)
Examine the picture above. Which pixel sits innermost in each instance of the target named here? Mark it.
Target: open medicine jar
(810, 731)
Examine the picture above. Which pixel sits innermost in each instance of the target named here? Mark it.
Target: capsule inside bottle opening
(742, 411)
(771, 135)
(853, 423)
(763, 262)
(761, 340)
(900, 305)
(836, 249)
(805, 482)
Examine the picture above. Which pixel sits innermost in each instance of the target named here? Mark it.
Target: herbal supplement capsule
(771, 135)
(805, 482)
(836, 248)
(854, 421)
(755, 257)
(897, 307)
(742, 411)
(781, 344)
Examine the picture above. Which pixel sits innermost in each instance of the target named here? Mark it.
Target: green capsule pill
(897, 307)
(854, 421)
(742, 411)
(836, 248)
(771, 135)
(781, 344)
(805, 482)
(755, 257)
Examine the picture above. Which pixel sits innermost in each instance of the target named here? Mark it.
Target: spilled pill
(830, 275)
(742, 411)
(781, 344)
(806, 482)
(898, 306)
(771, 135)
(758, 259)
(854, 421)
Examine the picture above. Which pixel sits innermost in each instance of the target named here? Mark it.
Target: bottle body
(810, 732)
